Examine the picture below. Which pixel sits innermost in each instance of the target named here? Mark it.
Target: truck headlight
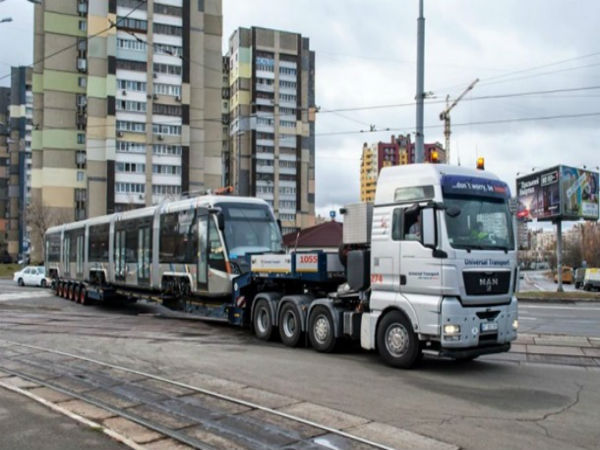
(515, 324)
(451, 330)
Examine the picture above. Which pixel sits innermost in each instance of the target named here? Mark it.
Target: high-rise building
(4, 173)
(127, 101)
(19, 148)
(400, 150)
(272, 130)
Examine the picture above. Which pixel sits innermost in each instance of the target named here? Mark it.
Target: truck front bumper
(473, 352)
(476, 330)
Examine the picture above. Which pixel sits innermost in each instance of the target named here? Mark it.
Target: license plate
(489, 326)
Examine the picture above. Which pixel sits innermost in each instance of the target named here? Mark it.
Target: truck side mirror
(428, 232)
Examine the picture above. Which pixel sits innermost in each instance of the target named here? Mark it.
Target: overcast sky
(365, 57)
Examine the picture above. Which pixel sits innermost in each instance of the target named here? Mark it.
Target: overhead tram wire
(68, 47)
(485, 81)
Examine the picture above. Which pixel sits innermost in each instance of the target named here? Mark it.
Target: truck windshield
(482, 223)
(250, 229)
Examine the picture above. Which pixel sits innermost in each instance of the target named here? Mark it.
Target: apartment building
(127, 101)
(400, 150)
(20, 160)
(272, 129)
(4, 173)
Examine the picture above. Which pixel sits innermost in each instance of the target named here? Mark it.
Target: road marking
(24, 295)
(527, 318)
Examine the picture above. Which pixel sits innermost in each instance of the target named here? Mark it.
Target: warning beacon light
(435, 157)
(480, 163)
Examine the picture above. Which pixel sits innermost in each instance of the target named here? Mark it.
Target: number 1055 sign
(307, 262)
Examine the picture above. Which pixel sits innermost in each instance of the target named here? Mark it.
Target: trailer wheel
(83, 296)
(262, 321)
(59, 289)
(321, 330)
(70, 292)
(290, 325)
(75, 297)
(397, 343)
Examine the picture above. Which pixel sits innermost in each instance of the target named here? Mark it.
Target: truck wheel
(290, 325)
(321, 330)
(262, 322)
(397, 343)
(83, 296)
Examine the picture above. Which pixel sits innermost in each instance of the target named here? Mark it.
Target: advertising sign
(579, 193)
(560, 192)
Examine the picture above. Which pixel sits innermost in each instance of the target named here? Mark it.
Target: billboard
(560, 192)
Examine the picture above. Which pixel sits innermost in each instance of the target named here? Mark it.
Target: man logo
(488, 283)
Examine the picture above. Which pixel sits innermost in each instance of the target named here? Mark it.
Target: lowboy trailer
(430, 267)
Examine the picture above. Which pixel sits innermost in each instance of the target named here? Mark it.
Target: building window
(81, 138)
(132, 85)
(170, 30)
(131, 147)
(170, 130)
(165, 189)
(135, 127)
(167, 68)
(126, 64)
(130, 188)
(131, 44)
(127, 167)
(82, 82)
(80, 175)
(132, 24)
(169, 10)
(82, 25)
(166, 49)
(167, 89)
(165, 149)
(166, 110)
(166, 169)
(80, 159)
(130, 105)
(80, 201)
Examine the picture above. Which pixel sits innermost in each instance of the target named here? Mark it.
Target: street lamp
(6, 19)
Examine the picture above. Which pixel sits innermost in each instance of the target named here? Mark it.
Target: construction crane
(445, 116)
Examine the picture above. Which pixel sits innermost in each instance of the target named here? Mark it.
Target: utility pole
(559, 255)
(419, 139)
(445, 116)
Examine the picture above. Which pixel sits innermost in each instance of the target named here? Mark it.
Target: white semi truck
(429, 267)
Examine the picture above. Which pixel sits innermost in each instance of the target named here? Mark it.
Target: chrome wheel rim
(396, 340)
(263, 320)
(289, 324)
(321, 329)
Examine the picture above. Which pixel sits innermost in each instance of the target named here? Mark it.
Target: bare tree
(39, 218)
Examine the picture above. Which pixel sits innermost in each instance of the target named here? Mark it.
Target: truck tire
(290, 325)
(262, 321)
(321, 331)
(397, 343)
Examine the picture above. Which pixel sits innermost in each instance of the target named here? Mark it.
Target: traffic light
(481, 163)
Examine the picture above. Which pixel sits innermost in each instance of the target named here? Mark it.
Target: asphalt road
(482, 404)
(536, 280)
(578, 319)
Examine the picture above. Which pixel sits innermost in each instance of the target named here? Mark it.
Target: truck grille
(486, 283)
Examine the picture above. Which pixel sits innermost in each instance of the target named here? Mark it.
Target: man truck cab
(451, 286)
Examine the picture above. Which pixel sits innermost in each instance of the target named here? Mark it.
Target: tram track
(236, 420)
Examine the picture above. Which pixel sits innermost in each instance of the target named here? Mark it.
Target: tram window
(179, 237)
(98, 245)
(53, 247)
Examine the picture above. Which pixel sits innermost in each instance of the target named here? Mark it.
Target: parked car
(32, 276)
(567, 275)
(591, 279)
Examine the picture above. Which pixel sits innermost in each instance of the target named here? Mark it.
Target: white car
(32, 276)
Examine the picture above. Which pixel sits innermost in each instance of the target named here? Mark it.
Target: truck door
(420, 272)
